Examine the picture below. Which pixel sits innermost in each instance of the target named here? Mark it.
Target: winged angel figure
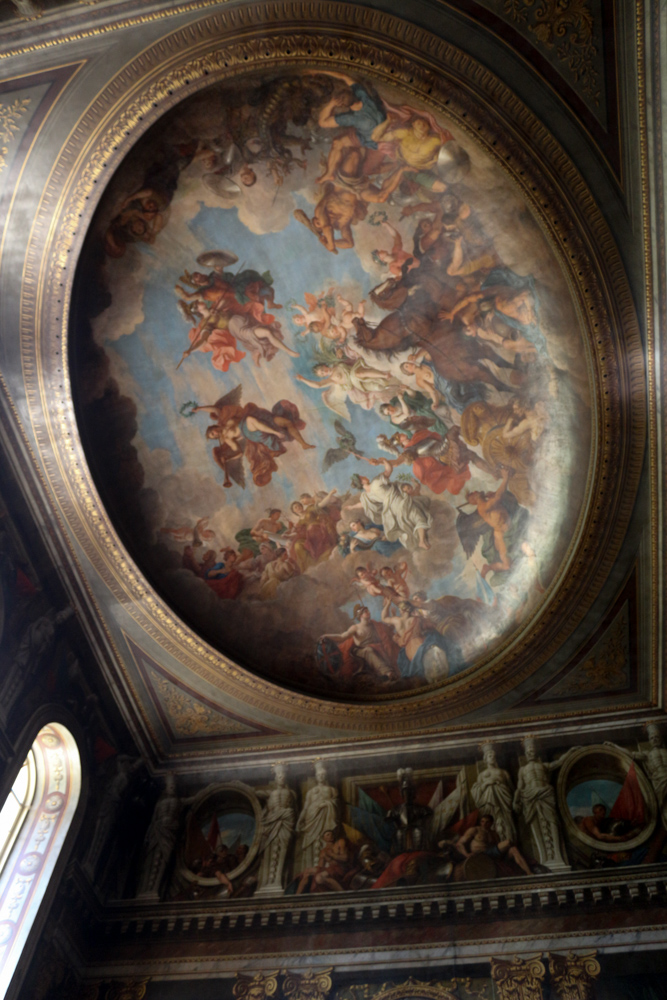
(249, 432)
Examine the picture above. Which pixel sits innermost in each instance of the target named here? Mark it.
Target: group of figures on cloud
(481, 824)
(416, 639)
(248, 130)
(448, 350)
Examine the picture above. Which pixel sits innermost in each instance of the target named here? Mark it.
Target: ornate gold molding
(109, 25)
(261, 986)
(126, 989)
(518, 979)
(288, 34)
(413, 989)
(573, 976)
(308, 985)
(10, 115)
(567, 30)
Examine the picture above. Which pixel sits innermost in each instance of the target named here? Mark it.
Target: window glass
(16, 807)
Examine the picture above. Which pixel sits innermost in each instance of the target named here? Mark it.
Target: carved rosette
(517, 978)
(309, 986)
(573, 976)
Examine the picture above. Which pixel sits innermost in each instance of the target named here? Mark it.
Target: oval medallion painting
(330, 382)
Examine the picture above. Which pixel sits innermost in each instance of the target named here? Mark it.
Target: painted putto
(330, 381)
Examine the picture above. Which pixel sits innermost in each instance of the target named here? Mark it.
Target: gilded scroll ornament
(309, 986)
(189, 717)
(518, 979)
(573, 976)
(567, 25)
(412, 989)
(257, 987)
(126, 989)
(10, 114)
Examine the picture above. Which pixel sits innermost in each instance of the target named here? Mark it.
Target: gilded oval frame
(286, 34)
(625, 762)
(239, 788)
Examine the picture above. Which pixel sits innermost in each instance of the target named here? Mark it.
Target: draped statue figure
(536, 799)
(492, 794)
(278, 821)
(319, 814)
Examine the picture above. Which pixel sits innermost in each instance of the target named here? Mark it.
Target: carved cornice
(520, 899)
(278, 35)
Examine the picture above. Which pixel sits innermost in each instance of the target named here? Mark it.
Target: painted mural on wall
(331, 384)
(504, 813)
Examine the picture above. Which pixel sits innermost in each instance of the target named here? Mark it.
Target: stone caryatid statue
(655, 765)
(492, 794)
(112, 797)
(278, 820)
(161, 839)
(535, 799)
(37, 640)
(319, 814)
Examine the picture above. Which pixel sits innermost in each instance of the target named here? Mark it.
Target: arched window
(34, 821)
(16, 807)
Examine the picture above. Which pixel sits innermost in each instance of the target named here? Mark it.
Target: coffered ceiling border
(279, 35)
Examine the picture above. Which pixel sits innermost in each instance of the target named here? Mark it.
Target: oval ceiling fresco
(331, 383)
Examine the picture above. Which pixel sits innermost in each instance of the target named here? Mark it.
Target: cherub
(344, 324)
(366, 578)
(395, 578)
(317, 314)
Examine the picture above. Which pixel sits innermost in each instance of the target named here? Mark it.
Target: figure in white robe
(399, 508)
